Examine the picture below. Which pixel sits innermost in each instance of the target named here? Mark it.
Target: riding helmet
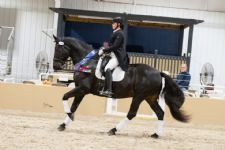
(118, 20)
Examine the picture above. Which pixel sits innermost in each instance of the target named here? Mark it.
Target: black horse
(141, 82)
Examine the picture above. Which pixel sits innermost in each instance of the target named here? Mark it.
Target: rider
(117, 52)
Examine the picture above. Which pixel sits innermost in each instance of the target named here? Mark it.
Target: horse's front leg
(131, 114)
(78, 93)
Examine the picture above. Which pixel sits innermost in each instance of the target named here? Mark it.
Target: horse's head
(62, 52)
(69, 47)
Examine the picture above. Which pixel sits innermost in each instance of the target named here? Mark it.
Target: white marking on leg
(122, 123)
(163, 86)
(159, 127)
(66, 107)
(162, 102)
(161, 95)
(67, 120)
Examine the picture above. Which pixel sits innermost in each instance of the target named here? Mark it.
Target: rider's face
(114, 25)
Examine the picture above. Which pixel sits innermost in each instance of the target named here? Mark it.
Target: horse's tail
(174, 98)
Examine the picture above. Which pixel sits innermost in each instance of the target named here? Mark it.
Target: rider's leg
(113, 63)
(108, 80)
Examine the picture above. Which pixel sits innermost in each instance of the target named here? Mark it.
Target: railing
(69, 66)
(170, 64)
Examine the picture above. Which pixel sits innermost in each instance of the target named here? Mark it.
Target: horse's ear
(55, 38)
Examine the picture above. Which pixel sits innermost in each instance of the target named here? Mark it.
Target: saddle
(117, 74)
(105, 61)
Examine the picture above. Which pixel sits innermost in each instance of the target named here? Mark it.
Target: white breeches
(113, 62)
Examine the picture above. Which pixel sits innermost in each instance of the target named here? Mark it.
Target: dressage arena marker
(112, 109)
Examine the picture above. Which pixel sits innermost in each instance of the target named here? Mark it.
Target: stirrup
(106, 93)
(101, 92)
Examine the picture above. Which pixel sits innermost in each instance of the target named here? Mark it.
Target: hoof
(155, 136)
(62, 127)
(112, 132)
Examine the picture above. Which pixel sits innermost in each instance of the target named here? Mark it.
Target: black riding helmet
(118, 20)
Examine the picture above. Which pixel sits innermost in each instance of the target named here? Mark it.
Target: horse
(141, 82)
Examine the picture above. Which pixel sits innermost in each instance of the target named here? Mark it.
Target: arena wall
(49, 99)
(45, 99)
(29, 18)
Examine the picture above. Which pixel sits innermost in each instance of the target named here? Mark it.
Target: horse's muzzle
(57, 66)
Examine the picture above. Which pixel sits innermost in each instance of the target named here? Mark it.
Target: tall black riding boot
(108, 84)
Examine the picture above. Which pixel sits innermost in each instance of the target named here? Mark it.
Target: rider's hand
(100, 52)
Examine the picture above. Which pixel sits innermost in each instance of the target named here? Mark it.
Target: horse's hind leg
(160, 115)
(131, 114)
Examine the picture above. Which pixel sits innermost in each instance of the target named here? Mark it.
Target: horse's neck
(78, 49)
(78, 55)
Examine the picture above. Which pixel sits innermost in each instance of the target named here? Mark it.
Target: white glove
(100, 52)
